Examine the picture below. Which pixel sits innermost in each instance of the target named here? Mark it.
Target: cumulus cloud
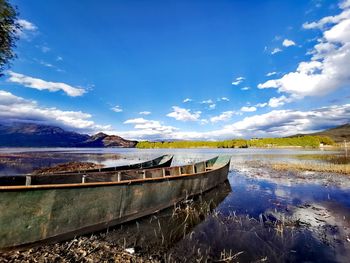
(187, 100)
(238, 81)
(182, 114)
(14, 108)
(288, 122)
(248, 109)
(117, 108)
(144, 112)
(245, 88)
(150, 129)
(276, 123)
(327, 69)
(288, 43)
(40, 84)
(276, 102)
(225, 116)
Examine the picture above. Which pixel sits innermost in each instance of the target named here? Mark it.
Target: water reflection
(268, 216)
(164, 229)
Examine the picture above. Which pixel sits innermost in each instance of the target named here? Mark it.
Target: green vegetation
(302, 141)
(8, 33)
(338, 134)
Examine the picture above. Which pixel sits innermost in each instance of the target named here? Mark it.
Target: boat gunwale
(128, 167)
(113, 183)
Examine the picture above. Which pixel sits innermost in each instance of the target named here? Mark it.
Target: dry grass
(326, 168)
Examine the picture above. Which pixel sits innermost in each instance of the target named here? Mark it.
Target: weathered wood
(39, 212)
(161, 161)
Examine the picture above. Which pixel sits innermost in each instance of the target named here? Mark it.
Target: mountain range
(39, 135)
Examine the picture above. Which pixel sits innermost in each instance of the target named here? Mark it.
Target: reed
(326, 168)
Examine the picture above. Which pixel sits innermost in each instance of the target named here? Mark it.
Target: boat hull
(66, 211)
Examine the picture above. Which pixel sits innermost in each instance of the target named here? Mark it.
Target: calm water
(259, 215)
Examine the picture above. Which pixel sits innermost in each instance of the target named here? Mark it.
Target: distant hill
(103, 140)
(38, 135)
(337, 134)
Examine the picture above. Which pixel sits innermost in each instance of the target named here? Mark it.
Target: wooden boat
(161, 161)
(58, 211)
(76, 176)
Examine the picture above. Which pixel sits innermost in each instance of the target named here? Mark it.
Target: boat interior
(113, 176)
(144, 165)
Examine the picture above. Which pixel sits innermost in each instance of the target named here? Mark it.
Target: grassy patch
(327, 168)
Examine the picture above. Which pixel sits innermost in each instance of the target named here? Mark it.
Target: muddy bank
(68, 167)
(81, 249)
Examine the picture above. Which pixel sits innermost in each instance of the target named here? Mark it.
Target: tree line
(301, 141)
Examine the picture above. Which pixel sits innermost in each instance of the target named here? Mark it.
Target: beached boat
(76, 176)
(57, 211)
(161, 161)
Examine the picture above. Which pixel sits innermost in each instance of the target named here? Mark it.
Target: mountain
(103, 140)
(38, 135)
(338, 134)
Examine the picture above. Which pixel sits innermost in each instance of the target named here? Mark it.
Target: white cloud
(245, 88)
(212, 106)
(248, 109)
(225, 116)
(40, 84)
(46, 64)
(117, 108)
(276, 123)
(26, 25)
(271, 74)
(276, 102)
(328, 20)
(203, 121)
(289, 122)
(288, 43)
(59, 58)
(147, 129)
(14, 108)
(45, 49)
(210, 101)
(144, 112)
(238, 80)
(26, 28)
(261, 105)
(187, 100)
(327, 70)
(224, 99)
(276, 50)
(344, 4)
(182, 114)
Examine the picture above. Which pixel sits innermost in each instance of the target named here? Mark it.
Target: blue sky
(181, 69)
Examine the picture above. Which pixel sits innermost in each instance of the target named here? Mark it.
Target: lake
(261, 214)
